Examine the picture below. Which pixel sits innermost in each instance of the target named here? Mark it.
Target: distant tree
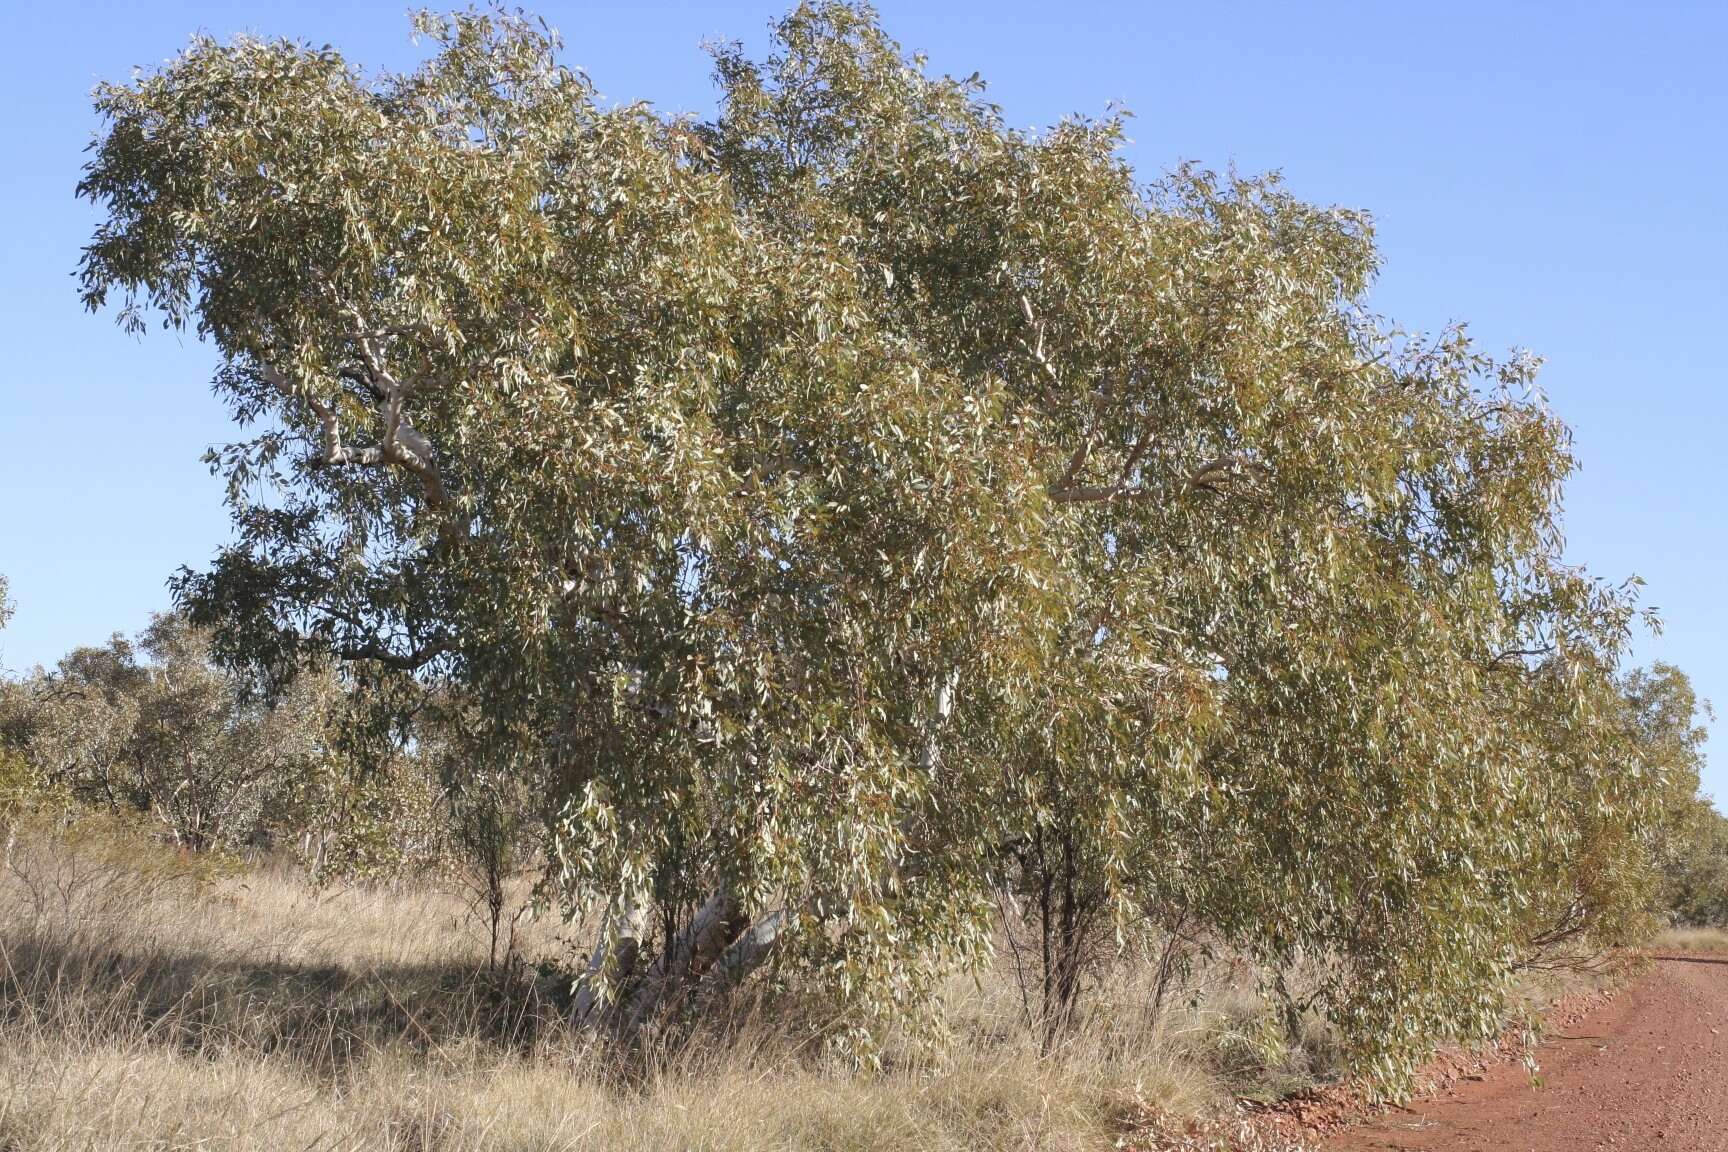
(380, 818)
(1667, 725)
(1697, 866)
(17, 783)
(75, 724)
(155, 730)
(850, 509)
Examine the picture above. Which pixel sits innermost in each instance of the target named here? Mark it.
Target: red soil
(1647, 1068)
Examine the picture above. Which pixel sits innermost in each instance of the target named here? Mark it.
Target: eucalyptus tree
(74, 725)
(1667, 720)
(153, 730)
(850, 506)
(1696, 876)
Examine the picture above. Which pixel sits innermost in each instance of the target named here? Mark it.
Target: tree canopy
(850, 508)
(154, 730)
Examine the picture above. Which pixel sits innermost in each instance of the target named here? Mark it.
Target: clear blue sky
(1553, 173)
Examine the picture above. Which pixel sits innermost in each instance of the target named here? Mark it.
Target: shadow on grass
(325, 1017)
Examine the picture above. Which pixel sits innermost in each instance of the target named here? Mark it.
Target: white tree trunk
(702, 942)
(743, 956)
(613, 957)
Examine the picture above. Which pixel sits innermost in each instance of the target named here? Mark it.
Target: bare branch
(381, 653)
(400, 443)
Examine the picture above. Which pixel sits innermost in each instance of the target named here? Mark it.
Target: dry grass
(147, 1002)
(1691, 940)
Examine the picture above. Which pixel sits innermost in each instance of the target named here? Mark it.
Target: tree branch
(402, 661)
(400, 443)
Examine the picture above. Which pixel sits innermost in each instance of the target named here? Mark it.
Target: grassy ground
(146, 1002)
(1691, 940)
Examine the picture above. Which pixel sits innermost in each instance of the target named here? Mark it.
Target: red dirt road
(1648, 1069)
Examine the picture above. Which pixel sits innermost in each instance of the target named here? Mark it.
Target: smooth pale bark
(753, 948)
(713, 955)
(613, 957)
(702, 942)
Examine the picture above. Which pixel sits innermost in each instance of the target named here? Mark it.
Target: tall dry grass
(151, 1001)
(1691, 940)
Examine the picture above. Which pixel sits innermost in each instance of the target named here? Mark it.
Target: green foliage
(833, 506)
(1697, 876)
(494, 811)
(361, 803)
(1667, 718)
(21, 791)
